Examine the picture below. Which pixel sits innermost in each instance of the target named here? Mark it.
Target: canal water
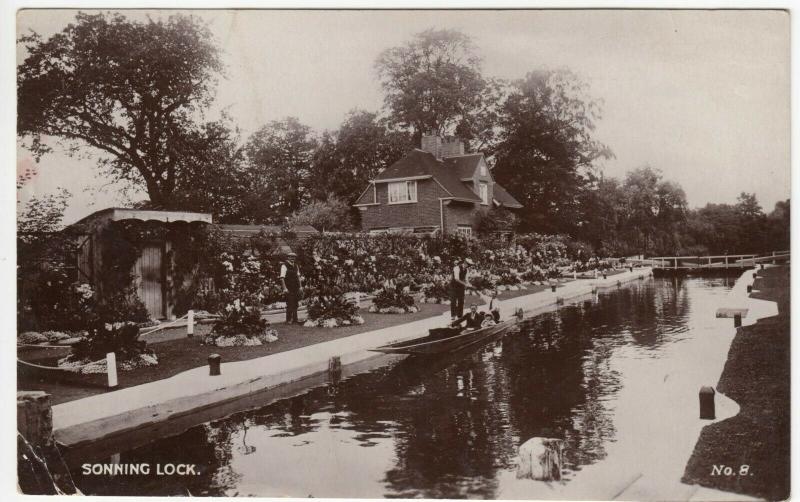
(448, 427)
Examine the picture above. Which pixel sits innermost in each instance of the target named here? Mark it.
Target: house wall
(460, 213)
(423, 213)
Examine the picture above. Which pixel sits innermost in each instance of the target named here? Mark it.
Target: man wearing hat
(292, 284)
(458, 287)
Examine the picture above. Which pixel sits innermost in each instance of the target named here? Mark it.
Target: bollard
(707, 403)
(111, 367)
(619, 284)
(214, 364)
(35, 417)
(737, 320)
(755, 275)
(605, 276)
(762, 266)
(190, 324)
(335, 369)
(749, 288)
(553, 288)
(541, 459)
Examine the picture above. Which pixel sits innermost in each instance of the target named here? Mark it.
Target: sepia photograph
(504, 254)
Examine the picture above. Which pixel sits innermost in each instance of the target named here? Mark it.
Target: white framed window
(484, 191)
(402, 192)
(464, 230)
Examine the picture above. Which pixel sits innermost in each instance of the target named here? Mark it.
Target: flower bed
(393, 299)
(70, 363)
(332, 311)
(240, 325)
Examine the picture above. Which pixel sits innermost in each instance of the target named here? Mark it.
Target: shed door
(149, 275)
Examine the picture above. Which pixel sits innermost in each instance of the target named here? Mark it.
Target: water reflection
(441, 427)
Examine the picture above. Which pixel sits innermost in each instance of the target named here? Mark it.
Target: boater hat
(291, 254)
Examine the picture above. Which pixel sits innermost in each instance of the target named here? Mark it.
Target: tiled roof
(419, 163)
(504, 198)
(465, 165)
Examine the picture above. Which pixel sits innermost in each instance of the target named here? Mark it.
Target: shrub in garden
(481, 282)
(393, 299)
(331, 311)
(240, 324)
(436, 291)
(122, 338)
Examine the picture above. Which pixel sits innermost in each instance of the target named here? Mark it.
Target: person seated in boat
(473, 318)
(488, 320)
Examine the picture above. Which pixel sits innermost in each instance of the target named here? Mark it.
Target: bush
(436, 291)
(331, 311)
(393, 299)
(481, 282)
(121, 338)
(239, 319)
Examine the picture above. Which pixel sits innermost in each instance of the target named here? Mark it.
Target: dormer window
(484, 192)
(401, 192)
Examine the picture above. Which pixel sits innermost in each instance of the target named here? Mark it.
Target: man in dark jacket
(292, 284)
(458, 287)
(473, 318)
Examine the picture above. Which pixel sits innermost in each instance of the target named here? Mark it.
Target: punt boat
(442, 340)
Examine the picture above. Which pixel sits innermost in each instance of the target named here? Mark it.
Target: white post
(190, 324)
(574, 275)
(111, 365)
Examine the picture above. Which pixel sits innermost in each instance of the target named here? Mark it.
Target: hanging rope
(164, 326)
(19, 345)
(56, 368)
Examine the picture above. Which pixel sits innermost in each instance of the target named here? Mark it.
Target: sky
(703, 95)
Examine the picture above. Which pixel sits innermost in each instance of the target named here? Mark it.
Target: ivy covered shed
(123, 251)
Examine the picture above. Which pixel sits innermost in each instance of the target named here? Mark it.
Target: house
(436, 187)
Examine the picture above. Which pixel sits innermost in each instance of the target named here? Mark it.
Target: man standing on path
(458, 287)
(292, 284)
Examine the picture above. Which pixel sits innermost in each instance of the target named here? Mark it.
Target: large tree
(432, 83)
(131, 89)
(279, 158)
(546, 152)
(352, 156)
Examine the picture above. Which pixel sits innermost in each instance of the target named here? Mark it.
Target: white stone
(541, 459)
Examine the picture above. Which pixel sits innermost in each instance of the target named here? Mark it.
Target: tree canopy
(432, 82)
(133, 90)
(545, 154)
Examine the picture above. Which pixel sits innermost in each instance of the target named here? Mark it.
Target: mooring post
(190, 324)
(335, 369)
(737, 320)
(35, 416)
(214, 361)
(541, 459)
(749, 288)
(553, 288)
(111, 367)
(605, 276)
(707, 403)
(559, 300)
(755, 274)
(762, 266)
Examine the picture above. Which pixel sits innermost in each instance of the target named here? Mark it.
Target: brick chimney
(432, 143)
(451, 147)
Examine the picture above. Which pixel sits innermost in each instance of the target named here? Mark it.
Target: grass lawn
(757, 376)
(178, 353)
